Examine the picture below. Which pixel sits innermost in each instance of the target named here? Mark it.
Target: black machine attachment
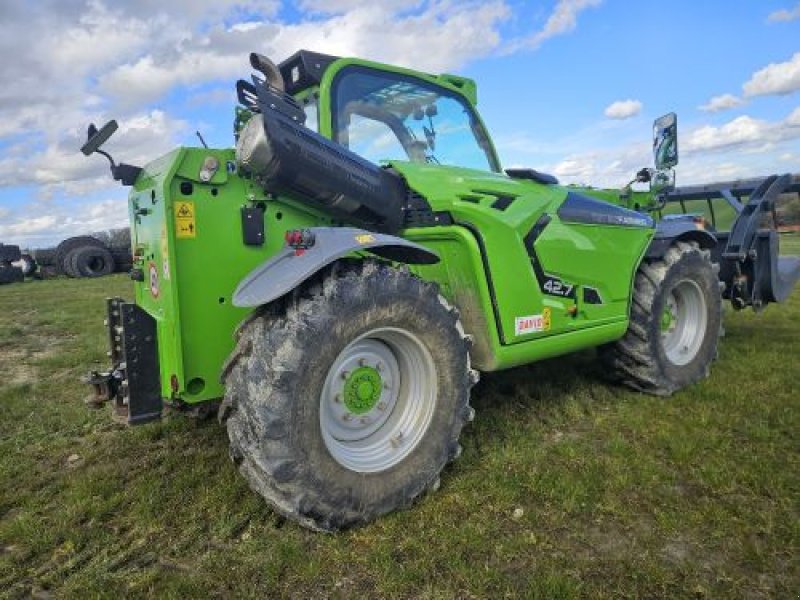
(133, 384)
(750, 265)
(760, 275)
(287, 157)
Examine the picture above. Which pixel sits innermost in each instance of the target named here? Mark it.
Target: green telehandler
(332, 287)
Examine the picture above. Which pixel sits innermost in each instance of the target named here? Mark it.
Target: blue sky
(566, 86)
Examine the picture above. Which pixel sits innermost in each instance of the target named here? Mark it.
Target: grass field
(567, 487)
(790, 244)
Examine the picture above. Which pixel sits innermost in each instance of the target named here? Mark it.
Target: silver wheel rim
(689, 319)
(382, 436)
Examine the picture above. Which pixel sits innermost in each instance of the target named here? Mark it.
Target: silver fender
(289, 268)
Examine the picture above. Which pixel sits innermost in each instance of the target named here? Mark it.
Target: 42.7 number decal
(555, 287)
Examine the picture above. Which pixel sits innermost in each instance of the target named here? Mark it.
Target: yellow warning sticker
(365, 238)
(185, 226)
(546, 318)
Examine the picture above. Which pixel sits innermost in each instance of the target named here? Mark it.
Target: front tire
(675, 323)
(347, 402)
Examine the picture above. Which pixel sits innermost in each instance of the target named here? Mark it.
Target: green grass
(723, 213)
(790, 244)
(621, 495)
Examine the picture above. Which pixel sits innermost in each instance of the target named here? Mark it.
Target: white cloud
(720, 103)
(623, 109)
(745, 133)
(784, 15)
(562, 20)
(739, 148)
(116, 58)
(580, 168)
(613, 165)
(776, 78)
(63, 220)
(140, 139)
(333, 7)
(94, 59)
(793, 120)
(28, 226)
(741, 130)
(454, 33)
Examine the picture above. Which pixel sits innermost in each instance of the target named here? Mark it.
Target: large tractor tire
(65, 267)
(10, 273)
(67, 246)
(348, 401)
(675, 323)
(9, 253)
(90, 261)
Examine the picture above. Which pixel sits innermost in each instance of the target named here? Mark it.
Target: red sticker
(153, 280)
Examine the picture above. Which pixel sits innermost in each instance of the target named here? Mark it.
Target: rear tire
(675, 323)
(346, 403)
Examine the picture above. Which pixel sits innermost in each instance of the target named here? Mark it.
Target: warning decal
(153, 272)
(528, 324)
(184, 220)
(533, 323)
(365, 238)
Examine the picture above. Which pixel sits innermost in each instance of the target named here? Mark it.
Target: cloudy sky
(565, 86)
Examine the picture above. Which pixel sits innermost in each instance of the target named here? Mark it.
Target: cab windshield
(386, 116)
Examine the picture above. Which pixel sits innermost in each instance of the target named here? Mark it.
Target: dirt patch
(20, 363)
(15, 364)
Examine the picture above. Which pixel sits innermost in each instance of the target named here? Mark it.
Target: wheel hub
(683, 322)
(377, 400)
(362, 390)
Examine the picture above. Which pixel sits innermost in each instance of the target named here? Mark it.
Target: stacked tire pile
(83, 256)
(13, 264)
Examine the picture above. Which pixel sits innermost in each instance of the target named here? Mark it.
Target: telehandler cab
(340, 278)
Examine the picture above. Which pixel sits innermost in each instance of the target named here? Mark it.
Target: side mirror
(665, 141)
(97, 138)
(127, 174)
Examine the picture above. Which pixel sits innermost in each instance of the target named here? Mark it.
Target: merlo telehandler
(333, 285)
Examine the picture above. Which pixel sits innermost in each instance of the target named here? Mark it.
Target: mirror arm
(108, 156)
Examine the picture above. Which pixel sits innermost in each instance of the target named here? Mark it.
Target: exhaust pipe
(269, 69)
